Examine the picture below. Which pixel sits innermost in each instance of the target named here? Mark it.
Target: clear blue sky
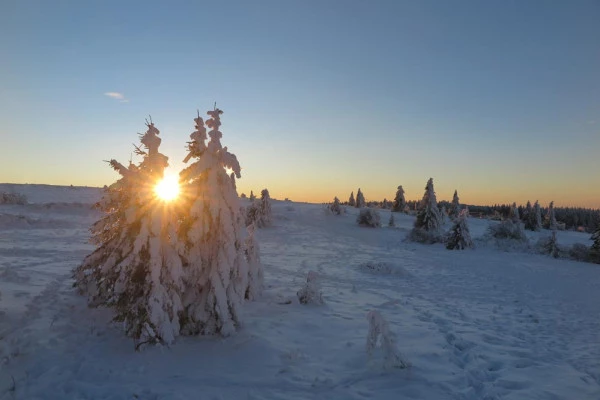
(500, 100)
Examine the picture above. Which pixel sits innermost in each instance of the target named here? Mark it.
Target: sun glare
(168, 188)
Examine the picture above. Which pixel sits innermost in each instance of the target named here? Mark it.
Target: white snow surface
(473, 324)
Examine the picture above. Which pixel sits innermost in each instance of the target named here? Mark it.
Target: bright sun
(168, 188)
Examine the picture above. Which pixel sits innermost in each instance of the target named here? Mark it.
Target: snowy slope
(482, 324)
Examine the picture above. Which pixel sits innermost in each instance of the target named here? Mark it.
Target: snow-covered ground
(481, 324)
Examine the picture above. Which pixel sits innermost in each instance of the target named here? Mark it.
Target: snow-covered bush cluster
(13, 198)
(579, 252)
(508, 230)
(369, 217)
(310, 293)
(173, 268)
(259, 211)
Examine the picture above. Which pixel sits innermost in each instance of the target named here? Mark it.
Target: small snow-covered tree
(243, 196)
(252, 196)
(454, 206)
(428, 216)
(335, 207)
(595, 250)
(360, 199)
(550, 222)
(378, 328)
(429, 220)
(137, 269)
(369, 217)
(351, 201)
(459, 237)
(392, 221)
(550, 245)
(266, 214)
(311, 291)
(255, 268)
(213, 229)
(399, 204)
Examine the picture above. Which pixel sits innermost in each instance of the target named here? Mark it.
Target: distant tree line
(569, 218)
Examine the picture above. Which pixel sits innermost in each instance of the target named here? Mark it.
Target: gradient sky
(497, 99)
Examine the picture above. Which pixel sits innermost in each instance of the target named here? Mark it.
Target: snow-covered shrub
(360, 199)
(212, 229)
(311, 291)
(399, 203)
(378, 328)
(13, 198)
(255, 268)
(459, 237)
(579, 252)
(423, 236)
(136, 269)
(335, 208)
(549, 245)
(369, 217)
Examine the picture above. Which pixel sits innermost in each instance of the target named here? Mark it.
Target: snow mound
(54, 194)
(382, 268)
(19, 221)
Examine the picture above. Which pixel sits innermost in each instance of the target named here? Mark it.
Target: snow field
(480, 324)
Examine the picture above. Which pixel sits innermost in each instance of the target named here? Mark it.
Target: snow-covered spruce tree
(351, 201)
(454, 206)
(392, 221)
(536, 219)
(252, 196)
(550, 222)
(529, 217)
(399, 204)
(136, 269)
(459, 237)
(335, 208)
(595, 250)
(212, 227)
(378, 327)
(427, 225)
(360, 199)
